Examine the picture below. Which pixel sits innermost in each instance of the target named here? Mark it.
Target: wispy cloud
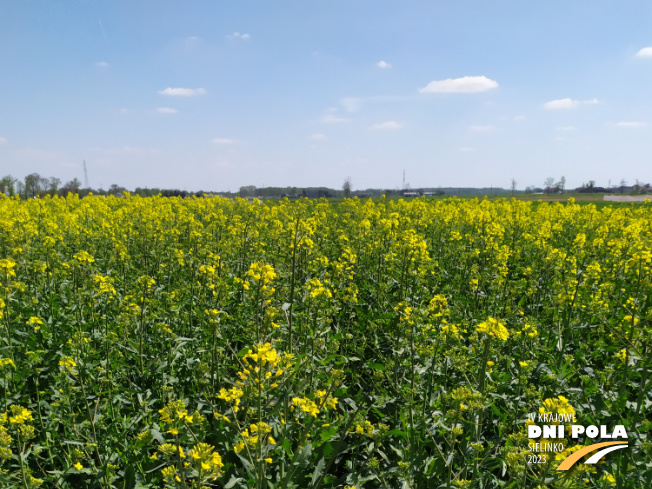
(388, 126)
(318, 136)
(3, 141)
(563, 103)
(645, 53)
(332, 119)
(383, 64)
(567, 128)
(466, 149)
(351, 104)
(102, 64)
(466, 84)
(237, 35)
(568, 103)
(182, 92)
(124, 110)
(631, 124)
(486, 128)
(166, 110)
(223, 141)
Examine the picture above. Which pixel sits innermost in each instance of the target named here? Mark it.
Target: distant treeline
(318, 192)
(34, 185)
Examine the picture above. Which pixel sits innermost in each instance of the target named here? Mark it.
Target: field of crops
(154, 342)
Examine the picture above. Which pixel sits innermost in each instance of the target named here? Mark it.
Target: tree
(346, 186)
(53, 185)
(548, 184)
(513, 186)
(248, 191)
(7, 185)
(72, 186)
(561, 185)
(32, 184)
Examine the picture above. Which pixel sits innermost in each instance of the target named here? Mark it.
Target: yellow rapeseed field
(206, 342)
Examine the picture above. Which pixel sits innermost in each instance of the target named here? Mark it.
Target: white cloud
(520, 118)
(568, 103)
(182, 92)
(318, 136)
(388, 126)
(466, 149)
(383, 64)
(645, 53)
(123, 110)
(3, 141)
(487, 128)
(351, 104)
(102, 64)
(567, 128)
(237, 35)
(631, 124)
(223, 141)
(331, 119)
(166, 110)
(564, 103)
(466, 84)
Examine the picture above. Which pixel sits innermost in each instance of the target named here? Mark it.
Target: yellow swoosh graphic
(570, 461)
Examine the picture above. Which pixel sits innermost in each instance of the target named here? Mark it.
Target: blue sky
(217, 94)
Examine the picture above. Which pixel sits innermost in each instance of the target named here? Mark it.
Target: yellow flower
(7, 361)
(609, 479)
(67, 363)
(78, 466)
(493, 327)
(19, 415)
(622, 355)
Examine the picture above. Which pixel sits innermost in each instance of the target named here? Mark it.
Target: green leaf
(316, 474)
(130, 478)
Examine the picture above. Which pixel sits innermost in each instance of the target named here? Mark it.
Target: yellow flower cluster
(8, 264)
(6, 362)
(19, 415)
(306, 405)
(559, 405)
(67, 363)
(83, 258)
(175, 415)
(207, 460)
(5, 439)
(528, 330)
(261, 273)
(493, 328)
(35, 322)
(438, 306)
(252, 436)
(233, 395)
(317, 289)
(104, 285)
